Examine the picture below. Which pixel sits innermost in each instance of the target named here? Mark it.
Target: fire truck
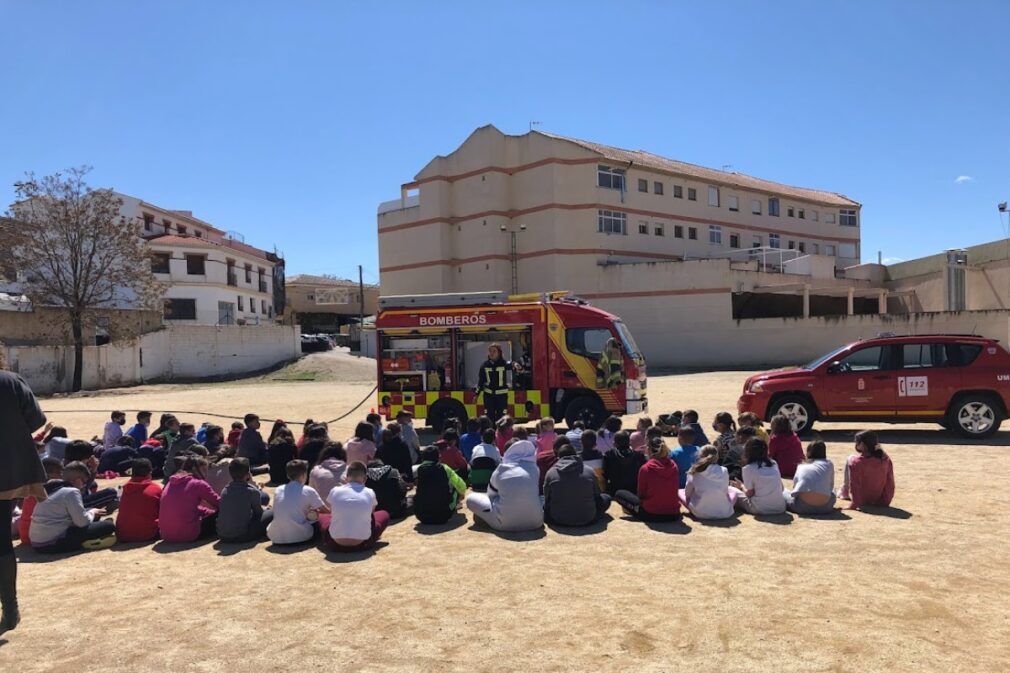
(430, 349)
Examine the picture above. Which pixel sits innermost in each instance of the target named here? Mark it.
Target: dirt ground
(920, 587)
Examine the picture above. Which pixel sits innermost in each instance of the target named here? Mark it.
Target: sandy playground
(920, 587)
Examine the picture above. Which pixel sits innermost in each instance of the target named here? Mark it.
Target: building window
(755, 207)
(643, 227)
(181, 228)
(180, 309)
(713, 196)
(252, 304)
(847, 250)
(829, 218)
(773, 207)
(715, 234)
(847, 218)
(611, 178)
(166, 225)
(800, 214)
(196, 265)
(148, 222)
(813, 215)
(270, 311)
(231, 279)
(198, 233)
(678, 231)
(817, 249)
(657, 187)
(262, 280)
(734, 240)
(263, 306)
(774, 241)
(613, 222)
(678, 192)
(643, 185)
(790, 212)
(160, 262)
(241, 303)
(692, 194)
(660, 230)
(757, 241)
(248, 273)
(692, 233)
(734, 204)
(801, 246)
(792, 245)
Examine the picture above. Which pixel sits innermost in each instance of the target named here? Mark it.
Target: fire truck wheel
(443, 410)
(587, 409)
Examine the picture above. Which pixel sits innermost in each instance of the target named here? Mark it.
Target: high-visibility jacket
(610, 366)
(492, 380)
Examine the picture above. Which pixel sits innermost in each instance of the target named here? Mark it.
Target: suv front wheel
(975, 416)
(798, 409)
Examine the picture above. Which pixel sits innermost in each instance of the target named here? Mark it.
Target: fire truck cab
(572, 361)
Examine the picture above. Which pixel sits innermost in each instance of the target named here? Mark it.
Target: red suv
(960, 382)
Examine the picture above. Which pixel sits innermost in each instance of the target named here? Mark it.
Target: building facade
(324, 303)
(212, 277)
(539, 211)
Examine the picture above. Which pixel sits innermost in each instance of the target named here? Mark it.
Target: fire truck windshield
(630, 347)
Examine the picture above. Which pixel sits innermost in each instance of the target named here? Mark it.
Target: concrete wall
(177, 353)
(49, 325)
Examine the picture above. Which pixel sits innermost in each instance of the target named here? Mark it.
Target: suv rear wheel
(975, 416)
(800, 411)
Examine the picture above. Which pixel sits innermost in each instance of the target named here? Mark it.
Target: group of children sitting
(188, 484)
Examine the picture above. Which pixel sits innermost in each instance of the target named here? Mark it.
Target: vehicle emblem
(861, 384)
(991, 350)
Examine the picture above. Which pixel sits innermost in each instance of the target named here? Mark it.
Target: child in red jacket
(869, 474)
(138, 506)
(785, 447)
(658, 497)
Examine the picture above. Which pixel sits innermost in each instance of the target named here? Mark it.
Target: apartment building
(540, 211)
(325, 303)
(212, 277)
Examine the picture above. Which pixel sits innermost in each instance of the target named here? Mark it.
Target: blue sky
(291, 121)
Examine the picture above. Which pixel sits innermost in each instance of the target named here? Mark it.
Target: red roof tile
(238, 246)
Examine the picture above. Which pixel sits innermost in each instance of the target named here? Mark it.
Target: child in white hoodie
(707, 494)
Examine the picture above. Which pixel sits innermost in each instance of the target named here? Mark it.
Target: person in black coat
(393, 451)
(21, 475)
(492, 383)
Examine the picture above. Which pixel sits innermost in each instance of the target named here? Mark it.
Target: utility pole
(514, 255)
(361, 301)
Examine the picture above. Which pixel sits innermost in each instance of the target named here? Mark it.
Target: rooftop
(324, 281)
(193, 241)
(741, 180)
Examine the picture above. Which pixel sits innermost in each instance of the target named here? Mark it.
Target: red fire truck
(431, 347)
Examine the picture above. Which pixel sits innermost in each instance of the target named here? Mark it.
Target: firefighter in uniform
(493, 383)
(610, 366)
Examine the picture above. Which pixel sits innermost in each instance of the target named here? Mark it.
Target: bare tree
(73, 249)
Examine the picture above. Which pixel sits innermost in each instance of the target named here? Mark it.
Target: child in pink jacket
(188, 509)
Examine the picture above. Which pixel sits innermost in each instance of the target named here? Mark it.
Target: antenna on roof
(726, 167)
(533, 123)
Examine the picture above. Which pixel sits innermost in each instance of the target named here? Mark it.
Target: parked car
(316, 343)
(961, 382)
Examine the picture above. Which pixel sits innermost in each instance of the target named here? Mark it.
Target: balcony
(232, 279)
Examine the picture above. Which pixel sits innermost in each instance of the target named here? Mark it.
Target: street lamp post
(514, 255)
